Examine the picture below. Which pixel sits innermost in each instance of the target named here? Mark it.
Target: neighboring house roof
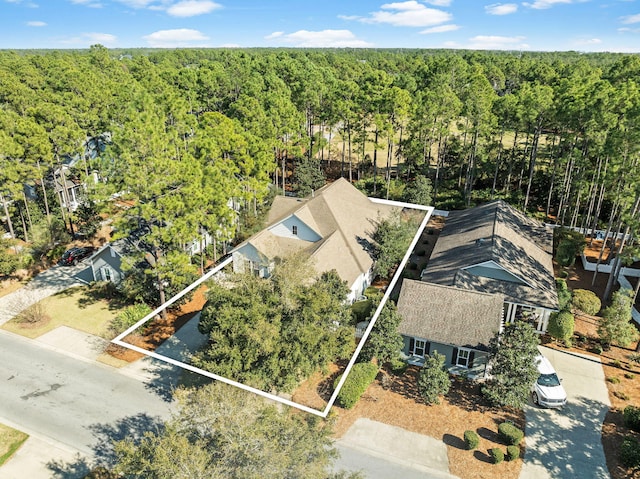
(494, 248)
(449, 315)
(343, 218)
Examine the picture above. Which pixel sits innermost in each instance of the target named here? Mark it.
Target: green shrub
(597, 349)
(413, 265)
(561, 326)
(497, 455)
(420, 252)
(358, 380)
(586, 301)
(630, 452)
(128, 317)
(510, 434)
(621, 395)
(564, 293)
(616, 363)
(634, 357)
(360, 310)
(398, 366)
(513, 453)
(613, 380)
(629, 375)
(434, 379)
(471, 439)
(631, 415)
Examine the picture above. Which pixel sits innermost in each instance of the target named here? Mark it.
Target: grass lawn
(10, 441)
(75, 308)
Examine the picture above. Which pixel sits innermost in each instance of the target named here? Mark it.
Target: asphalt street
(81, 404)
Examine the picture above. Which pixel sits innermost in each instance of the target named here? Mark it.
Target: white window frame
(416, 347)
(105, 272)
(462, 360)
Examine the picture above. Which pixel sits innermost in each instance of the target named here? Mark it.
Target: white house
(334, 226)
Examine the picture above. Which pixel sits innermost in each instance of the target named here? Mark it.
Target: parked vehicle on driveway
(547, 391)
(72, 256)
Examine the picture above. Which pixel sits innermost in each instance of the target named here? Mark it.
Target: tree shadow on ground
(484, 457)
(106, 435)
(454, 441)
(78, 469)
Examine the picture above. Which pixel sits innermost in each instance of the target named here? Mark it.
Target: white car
(547, 391)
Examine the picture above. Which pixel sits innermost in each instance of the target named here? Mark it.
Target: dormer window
(294, 230)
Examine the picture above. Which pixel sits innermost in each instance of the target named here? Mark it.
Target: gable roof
(498, 234)
(449, 315)
(344, 218)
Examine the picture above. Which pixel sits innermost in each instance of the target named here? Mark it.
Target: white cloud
(405, 14)
(627, 29)
(87, 39)
(439, 3)
(589, 41)
(496, 42)
(88, 3)
(322, 39)
(501, 8)
(36, 23)
(543, 4)
(441, 29)
(180, 37)
(140, 3)
(630, 19)
(191, 8)
(274, 35)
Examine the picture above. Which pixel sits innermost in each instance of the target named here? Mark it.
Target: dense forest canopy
(555, 134)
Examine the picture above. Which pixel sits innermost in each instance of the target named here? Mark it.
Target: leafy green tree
(434, 380)
(615, 326)
(384, 341)
(586, 301)
(513, 369)
(257, 337)
(561, 326)
(9, 262)
(307, 176)
(392, 237)
(224, 432)
(419, 191)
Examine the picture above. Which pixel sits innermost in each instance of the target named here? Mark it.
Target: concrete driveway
(49, 282)
(381, 451)
(566, 443)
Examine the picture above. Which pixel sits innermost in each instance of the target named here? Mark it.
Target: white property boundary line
(118, 339)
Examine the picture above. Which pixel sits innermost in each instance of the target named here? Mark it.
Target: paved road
(80, 404)
(566, 443)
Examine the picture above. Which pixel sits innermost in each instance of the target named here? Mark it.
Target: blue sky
(550, 25)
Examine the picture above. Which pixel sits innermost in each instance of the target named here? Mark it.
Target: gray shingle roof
(499, 234)
(449, 315)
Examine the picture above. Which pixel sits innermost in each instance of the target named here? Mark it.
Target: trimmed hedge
(510, 434)
(513, 453)
(471, 439)
(358, 380)
(631, 415)
(497, 455)
(630, 452)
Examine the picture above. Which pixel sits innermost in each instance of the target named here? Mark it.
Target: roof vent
(481, 241)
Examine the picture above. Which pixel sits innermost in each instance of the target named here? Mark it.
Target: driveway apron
(566, 443)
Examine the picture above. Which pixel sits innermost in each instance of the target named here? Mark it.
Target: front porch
(454, 370)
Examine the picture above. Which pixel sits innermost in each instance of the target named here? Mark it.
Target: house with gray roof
(491, 265)
(333, 226)
(496, 249)
(454, 322)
